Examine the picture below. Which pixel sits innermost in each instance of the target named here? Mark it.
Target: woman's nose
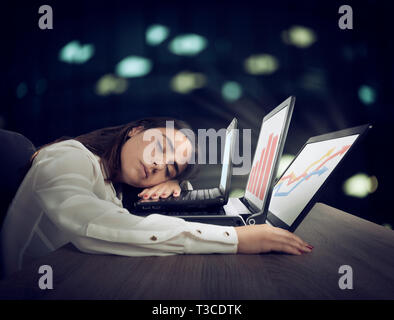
(158, 165)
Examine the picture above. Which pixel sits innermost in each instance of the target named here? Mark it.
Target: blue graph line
(284, 194)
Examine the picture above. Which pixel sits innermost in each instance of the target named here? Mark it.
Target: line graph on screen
(296, 181)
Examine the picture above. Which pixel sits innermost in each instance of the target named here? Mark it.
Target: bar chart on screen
(265, 157)
(261, 169)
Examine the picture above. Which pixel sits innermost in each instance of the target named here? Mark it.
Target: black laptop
(295, 192)
(253, 207)
(200, 201)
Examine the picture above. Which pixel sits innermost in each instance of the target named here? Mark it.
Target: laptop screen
(266, 154)
(226, 166)
(305, 175)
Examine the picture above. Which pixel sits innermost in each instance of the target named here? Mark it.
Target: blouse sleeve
(65, 187)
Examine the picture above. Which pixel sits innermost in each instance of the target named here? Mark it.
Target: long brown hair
(107, 144)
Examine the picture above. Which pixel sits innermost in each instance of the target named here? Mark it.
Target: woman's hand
(162, 190)
(265, 238)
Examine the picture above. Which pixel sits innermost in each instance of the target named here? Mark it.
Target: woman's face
(154, 156)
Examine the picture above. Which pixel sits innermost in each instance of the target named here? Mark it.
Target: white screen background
(288, 201)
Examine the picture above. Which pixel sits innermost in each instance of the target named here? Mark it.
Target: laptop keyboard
(203, 194)
(196, 195)
(218, 212)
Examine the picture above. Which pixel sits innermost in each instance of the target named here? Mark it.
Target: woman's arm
(265, 238)
(70, 189)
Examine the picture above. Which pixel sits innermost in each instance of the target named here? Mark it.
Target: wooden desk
(339, 239)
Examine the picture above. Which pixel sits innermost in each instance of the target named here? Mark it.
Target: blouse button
(226, 234)
(153, 238)
(199, 231)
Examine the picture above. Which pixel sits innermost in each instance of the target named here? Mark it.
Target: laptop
(253, 207)
(269, 149)
(296, 191)
(202, 201)
(272, 137)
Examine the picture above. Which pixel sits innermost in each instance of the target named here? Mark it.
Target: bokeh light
(367, 94)
(21, 90)
(188, 44)
(360, 185)
(284, 162)
(299, 36)
(74, 52)
(231, 91)
(156, 34)
(261, 64)
(237, 193)
(133, 66)
(185, 82)
(110, 84)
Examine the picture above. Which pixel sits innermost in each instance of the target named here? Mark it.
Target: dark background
(325, 77)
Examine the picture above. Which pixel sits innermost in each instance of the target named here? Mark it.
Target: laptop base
(230, 221)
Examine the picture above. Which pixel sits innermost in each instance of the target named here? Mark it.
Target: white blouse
(64, 198)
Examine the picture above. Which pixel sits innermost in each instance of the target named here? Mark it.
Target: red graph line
(340, 152)
(293, 178)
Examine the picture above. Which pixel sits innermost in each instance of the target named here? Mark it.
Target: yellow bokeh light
(109, 84)
(360, 185)
(261, 64)
(299, 36)
(186, 81)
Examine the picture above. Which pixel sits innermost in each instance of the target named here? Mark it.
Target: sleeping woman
(72, 193)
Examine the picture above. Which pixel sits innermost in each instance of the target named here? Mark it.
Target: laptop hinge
(248, 205)
(258, 217)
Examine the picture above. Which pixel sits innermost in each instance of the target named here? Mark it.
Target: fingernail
(300, 251)
(145, 196)
(310, 247)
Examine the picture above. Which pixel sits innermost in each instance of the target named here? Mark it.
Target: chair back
(15, 153)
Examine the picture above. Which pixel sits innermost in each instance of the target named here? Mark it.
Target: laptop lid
(227, 163)
(269, 149)
(295, 192)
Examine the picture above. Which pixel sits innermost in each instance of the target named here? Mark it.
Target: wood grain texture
(339, 239)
